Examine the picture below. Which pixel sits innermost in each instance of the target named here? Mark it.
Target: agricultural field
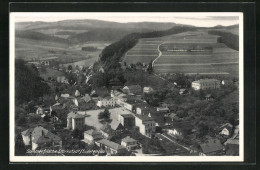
(214, 57)
(29, 49)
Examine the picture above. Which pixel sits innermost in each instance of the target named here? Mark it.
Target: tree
(104, 115)
(28, 78)
(70, 67)
(19, 146)
(150, 67)
(77, 134)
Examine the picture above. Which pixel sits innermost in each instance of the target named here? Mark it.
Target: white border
(239, 158)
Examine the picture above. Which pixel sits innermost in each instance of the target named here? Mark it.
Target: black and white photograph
(126, 87)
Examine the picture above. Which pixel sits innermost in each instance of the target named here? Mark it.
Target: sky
(196, 19)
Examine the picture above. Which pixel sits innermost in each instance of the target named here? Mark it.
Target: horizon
(193, 19)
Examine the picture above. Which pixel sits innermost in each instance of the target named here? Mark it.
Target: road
(186, 148)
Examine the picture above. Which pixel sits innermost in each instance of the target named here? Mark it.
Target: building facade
(75, 121)
(203, 84)
(146, 125)
(127, 120)
(105, 102)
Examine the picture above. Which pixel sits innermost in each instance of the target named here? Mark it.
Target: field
(28, 49)
(216, 58)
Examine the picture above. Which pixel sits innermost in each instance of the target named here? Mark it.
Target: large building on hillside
(127, 120)
(75, 121)
(107, 101)
(203, 84)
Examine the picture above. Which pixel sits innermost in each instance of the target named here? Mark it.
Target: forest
(231, 40)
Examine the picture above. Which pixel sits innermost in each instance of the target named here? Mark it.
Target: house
(163, 109)
(175, 132)
(39, 136)
(148, 89)
(106, 131)
(106, 102)
(209, 97)
(183, 92)
(127, 120)
(39, 111)
(142, 108)
(110, 147)
(211, 147)
(232, 147)
(129, 143)
(77, 93)
(135, 89)
(75, 121)
(226, 129)
(116, 125)
(203, 84)
(133, 97)
(65, 95)
(146, 125)
(92, 135)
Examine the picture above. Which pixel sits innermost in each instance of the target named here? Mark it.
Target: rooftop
(40, 135)
(110, 144)
(211, 146)
(126, 115)
(75, 115)
(144, 117)
(128, 139)
(206, 81)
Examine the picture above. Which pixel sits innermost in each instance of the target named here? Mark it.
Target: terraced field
(216, 59)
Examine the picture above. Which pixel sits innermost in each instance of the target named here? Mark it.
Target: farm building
(203, 84)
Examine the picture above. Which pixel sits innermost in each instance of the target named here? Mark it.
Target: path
(188, 149)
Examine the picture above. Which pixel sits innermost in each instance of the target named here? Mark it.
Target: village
(119, 119)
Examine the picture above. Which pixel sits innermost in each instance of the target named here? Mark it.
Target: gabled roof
(206, 81)
(228, 126)
(40, 135)
(211, 146)
(116, 125)
(110, 144)
(132, 87)
(128, 139)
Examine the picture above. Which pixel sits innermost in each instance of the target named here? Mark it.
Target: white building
(205, 84)
(75, 121)
(105, 102)
(148, 89)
